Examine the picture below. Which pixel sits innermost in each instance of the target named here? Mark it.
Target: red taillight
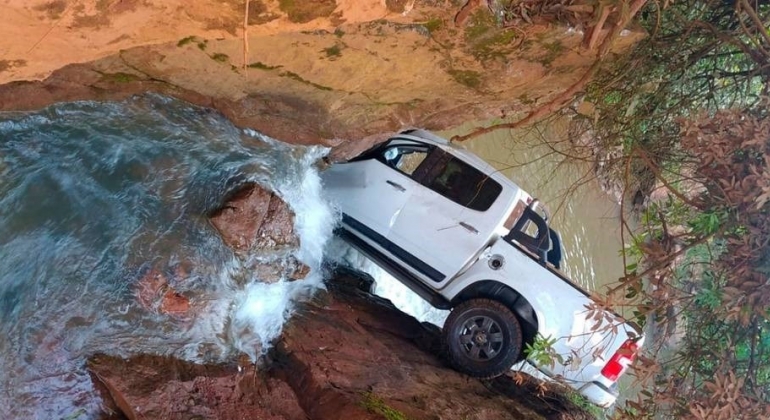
(620, 361)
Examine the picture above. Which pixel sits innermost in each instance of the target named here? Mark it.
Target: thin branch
(246, 37)
(48, 32)
(563, 99)
(538, 113)
(656, 171)
(760, 26)
(597, 29)
(671, 257)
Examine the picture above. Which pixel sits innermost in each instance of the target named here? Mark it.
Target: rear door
(449, 218)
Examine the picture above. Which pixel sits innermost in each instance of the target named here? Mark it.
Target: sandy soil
(39, 36)
(321, 71)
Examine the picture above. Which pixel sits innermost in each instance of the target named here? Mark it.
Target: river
(92, 195)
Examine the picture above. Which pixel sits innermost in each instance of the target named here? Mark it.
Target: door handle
(469, 228)
(396, 186)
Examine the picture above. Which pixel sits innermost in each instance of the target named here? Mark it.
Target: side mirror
(391, 154)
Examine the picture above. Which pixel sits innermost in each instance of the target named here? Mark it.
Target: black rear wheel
(483, 338)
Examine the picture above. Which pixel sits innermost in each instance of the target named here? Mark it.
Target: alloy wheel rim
(481, 338)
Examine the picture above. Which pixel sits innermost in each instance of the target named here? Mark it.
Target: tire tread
(500, 366)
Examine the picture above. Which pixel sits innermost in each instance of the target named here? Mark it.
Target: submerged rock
(290, 270)
(155, 294)
(254, 222)
(346, 355)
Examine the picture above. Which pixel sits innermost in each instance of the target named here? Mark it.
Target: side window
(404, 158)
(462, 183)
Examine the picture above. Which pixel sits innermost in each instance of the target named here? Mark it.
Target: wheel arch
(518, 304)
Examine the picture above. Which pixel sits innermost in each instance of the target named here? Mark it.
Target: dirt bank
(345, 71)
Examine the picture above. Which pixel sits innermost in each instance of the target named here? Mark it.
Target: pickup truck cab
(466, 238)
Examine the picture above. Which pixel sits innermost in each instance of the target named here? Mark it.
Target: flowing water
(92, 195)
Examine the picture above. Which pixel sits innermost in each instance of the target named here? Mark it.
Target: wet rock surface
(155, 387)
(345, 355)
(252, 221)
(289, 270)
(155, 294)
(255, 219)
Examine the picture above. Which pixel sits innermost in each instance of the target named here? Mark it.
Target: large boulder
(254, 218)
(251, 221)
(256, 222)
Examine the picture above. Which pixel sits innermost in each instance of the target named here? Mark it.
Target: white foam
(262, 309)
(259, 316)
(387, 286)
(315, 220)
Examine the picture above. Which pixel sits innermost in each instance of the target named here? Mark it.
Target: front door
(372, 190)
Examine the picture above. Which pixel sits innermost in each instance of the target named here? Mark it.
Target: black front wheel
(483, 338)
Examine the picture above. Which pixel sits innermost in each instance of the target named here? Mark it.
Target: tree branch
(760, 26)
(562, 99)
(597, 29)
(538, 113)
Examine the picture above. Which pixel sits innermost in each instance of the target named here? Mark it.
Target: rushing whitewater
(92, 195)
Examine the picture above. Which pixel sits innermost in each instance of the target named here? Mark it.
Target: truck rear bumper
(599, 394)
(595, 392)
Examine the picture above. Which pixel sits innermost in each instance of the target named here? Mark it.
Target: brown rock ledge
(370, 67)
(344, 355)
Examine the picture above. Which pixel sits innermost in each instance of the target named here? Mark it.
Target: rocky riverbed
(345, 354)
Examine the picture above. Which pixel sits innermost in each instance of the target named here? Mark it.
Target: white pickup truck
(466, 238)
